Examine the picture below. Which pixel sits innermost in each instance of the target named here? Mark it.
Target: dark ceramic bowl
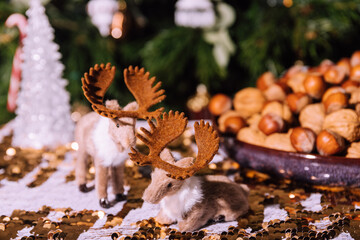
(310, 168)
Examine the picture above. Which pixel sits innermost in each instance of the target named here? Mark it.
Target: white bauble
(194, 13)
(101, 13)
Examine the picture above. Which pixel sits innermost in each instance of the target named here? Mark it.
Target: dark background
(268, 36)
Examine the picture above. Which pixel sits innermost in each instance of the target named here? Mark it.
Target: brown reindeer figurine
(108, 133)
(191, 201)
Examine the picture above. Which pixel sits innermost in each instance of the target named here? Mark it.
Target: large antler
(167, 129)
(97, 81)
(145, 93)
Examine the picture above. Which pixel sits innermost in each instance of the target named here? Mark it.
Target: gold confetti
(212, 166)
(101, 214)
(92, 170)
(10, 152)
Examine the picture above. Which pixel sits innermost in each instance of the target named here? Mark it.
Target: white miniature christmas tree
(43, 109)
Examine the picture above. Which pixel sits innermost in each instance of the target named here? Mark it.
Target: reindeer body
(196, 200)
(108, 142)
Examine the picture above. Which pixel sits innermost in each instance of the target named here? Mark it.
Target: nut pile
(308, 109)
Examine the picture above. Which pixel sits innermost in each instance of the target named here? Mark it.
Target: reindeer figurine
(191, 201)
(108, 133)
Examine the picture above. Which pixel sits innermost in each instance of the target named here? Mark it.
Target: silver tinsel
(43, 112)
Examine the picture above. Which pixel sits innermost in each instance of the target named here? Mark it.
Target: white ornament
(219, 36)
(194, 13)
(25, 3)
(43, 112)
(101, 13)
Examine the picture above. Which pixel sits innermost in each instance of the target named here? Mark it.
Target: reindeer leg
(162, 218)
(101, 180)
(195, 219)
(81, 170)
(117, 179)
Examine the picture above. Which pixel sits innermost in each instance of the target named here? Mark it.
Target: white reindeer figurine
(108, 133)
(191, 201)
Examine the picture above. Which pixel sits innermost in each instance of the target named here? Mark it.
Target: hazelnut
(314, 85)
(279, 109)
(355, 58)
(279, 141)
(283, 80)
(234, 124)
(303, 139)
(292, 71)
(271, 123)
(335, 102)
(355, 73)
(222, 119)
(350, 85)
(355, 97)
(354, 150)
(344, 63)
(297, 101)
(334, 75)
(324, 66)
(296, 82)
(312, 116)
(329, 143)
(332, 90)
(344, 122)
(251, 136)
(276, 92)
(219, 104)
(248, 101)
(265, 80)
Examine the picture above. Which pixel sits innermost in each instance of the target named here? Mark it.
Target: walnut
(254, 120)
(344, 122)
(354, 150)
(279, 109)
(355, 97)
(296, 82)
(357, 108)
(279, 141)
(276, 92)
(252, 136)
(312, 116)
(248, 101)
(223, 117)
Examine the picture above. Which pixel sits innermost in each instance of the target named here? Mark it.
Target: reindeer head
(161, 185)
(122, 130)
(167, 129)
(98, 80)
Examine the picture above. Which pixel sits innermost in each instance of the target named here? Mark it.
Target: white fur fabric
(106, 149)
(176, 205)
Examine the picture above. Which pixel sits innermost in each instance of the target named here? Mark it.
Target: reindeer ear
(133, 106)
(112, 104)
(185, 162)
(167, 156)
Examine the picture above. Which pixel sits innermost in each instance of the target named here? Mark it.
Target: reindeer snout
(147, 197)
(151, 196)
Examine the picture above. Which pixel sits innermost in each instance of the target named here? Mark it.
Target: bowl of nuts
(304, 125)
